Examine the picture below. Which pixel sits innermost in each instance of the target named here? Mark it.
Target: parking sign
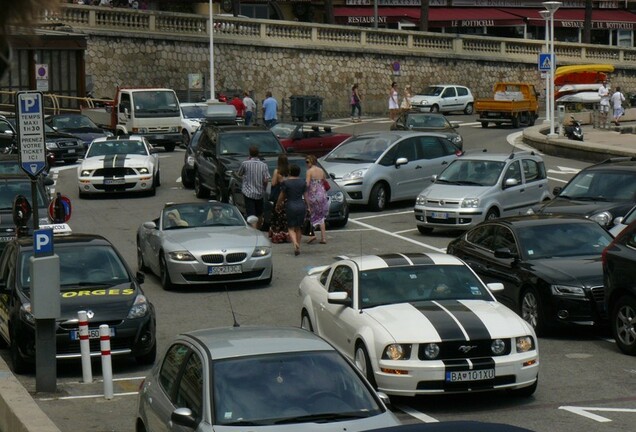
(30, 126)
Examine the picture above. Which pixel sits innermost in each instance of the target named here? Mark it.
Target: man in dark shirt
(255, 174)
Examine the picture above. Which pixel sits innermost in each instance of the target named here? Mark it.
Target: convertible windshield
(419, 283)
(289, 387)
(362, 148)
(566, 240)
(427, 121)
(200, 215)
(283, 130)
(602, 185)
(104, 148)
(472, 172)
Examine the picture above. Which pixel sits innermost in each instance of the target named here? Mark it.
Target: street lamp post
(211, 30)
(551, 7)
(546, 16)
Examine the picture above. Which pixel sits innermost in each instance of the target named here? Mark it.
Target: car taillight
(458, 152)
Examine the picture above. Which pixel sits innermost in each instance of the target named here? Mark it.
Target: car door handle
(522, 190)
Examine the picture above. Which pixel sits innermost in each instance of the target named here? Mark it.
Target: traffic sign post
(30, 127)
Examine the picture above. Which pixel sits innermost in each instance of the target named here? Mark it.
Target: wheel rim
(361, 361)
(469, 109)
(381, 197)
(530, 309)
(140, 258)
(305, 324)
(491, 215)
(626, 325)
(164, 273)
(434, 108)
(186, 138)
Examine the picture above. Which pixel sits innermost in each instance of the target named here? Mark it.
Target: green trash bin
(305, 108)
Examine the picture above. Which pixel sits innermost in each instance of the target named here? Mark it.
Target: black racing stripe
(473, 325)
(483, 363)
(109, 161)
(120, 160)
(420, 259)
(455, 365)
(394, 260)
(445, 326)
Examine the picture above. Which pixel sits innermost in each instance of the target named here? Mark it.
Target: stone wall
(133, 60)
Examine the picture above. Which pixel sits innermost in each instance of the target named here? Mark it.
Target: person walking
(239, 105)
(617, 100)
(278, 223)
(250, 108)
(394, 106)
(603, 93)
(406, 100)
(293, 196)
(270, 109)
(317, 197)
(355, 103)
(255, 174)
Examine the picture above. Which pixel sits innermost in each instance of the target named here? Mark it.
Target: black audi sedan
(550, 266)
(93, 277)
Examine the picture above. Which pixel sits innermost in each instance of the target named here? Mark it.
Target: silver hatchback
(482, 187)
(377, 168)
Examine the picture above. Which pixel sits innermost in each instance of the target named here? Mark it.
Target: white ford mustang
(119, 165)
(420, 324)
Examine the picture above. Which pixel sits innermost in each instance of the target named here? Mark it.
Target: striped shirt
(255, 175)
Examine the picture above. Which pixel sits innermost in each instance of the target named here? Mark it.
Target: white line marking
(383, 215)
(469, 124)
(583, 411)
(398, 236)
(418, 415)
(137, 378)
(557, 180)
(93, 396)
(407, 230)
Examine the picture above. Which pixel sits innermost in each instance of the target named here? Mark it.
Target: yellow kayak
(563, 70)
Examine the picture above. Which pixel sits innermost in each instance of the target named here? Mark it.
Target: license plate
(92, 334)
(438, 215)
(71, 151)
(472, 375)
(223, 270)
(114, 181)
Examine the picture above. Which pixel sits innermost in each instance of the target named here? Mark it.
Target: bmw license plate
(92, 334)
(114, 181)
(223, 270)
(438, 215)
(472, 375)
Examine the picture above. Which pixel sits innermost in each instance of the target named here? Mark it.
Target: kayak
(575, 88)
(563, 70)
(589, 77)
(580, 97)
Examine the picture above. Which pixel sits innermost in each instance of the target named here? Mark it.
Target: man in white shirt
(617, 100)
(250, 108)
(603, 93)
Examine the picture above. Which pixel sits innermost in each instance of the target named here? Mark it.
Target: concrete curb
(18, 410)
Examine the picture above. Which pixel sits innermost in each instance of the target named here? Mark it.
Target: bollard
(85, 347)
(107, 366)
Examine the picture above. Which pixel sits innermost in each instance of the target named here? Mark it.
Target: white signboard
(30, 126)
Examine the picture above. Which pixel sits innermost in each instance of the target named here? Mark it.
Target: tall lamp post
(546, 16)
(211, 30)
(551, 7)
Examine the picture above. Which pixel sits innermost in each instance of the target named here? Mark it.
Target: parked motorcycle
(574, 131)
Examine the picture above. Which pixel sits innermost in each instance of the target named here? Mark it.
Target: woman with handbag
(278, 223)
(355, 103)
(293, 195)
(317, 185)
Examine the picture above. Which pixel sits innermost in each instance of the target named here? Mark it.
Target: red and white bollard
(85, 347)
(107, 366)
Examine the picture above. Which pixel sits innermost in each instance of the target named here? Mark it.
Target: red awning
(601, 18)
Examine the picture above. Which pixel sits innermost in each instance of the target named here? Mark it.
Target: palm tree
(587, 24)
(329, 12)
(424, 15)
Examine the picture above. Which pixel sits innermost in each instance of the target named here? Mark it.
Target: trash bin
(306, 108)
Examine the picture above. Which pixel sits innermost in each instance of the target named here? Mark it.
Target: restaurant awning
(604, 19)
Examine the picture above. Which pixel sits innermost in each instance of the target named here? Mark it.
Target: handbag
(307, 228)
(326, 185)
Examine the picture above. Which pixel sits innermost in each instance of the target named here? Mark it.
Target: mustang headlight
(139, 308)
(181, 256)
(51, 145)
(498, 347)
(26, 314)
(603, 218)
(337, 197)
(470, 202)
(431, 351)
(354, 175)
(143, 171)
(525, 344)
(261, 251)
(421, 199)
(85, 173)
(565, 290)
(397, 352)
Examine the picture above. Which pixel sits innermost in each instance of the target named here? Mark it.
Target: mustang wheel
(305, 322)
(623, 322)
(166, 283)
(363, 363)
(531, 310)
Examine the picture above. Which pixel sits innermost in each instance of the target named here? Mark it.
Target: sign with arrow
(30, 125)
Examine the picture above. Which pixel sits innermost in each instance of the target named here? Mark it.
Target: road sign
(544, 62)
(43, 242)
(60, 209)
(30, 125)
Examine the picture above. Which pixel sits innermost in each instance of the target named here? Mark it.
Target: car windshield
(194, 111)
(362, 148)
(194, 215)
(419, 283)
(104, 148)
(471, 172)
(10, 167)
(73, 122)
(153, 102)
(10, 188)
(239, 143)
(82, 265)
(427, 121)
(283, 130)
(566, 240)
(287, 388)
(600, 185)
(432, 91)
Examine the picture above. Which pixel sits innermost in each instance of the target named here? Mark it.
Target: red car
(308, 139)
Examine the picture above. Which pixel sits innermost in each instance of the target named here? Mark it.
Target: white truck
(150, 112)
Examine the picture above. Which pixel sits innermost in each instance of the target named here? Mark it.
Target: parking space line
(557, 180)
(93, 396)
(383, 215)
(418, 415)
(389, 233)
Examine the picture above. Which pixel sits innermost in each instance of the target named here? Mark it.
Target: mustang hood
(204, 239)
(107, 303)
(578, 271)
(119, 160)
(449, 320)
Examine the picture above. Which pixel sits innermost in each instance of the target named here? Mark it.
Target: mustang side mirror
(339, 297)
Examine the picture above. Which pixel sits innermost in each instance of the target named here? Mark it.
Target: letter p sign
(43, 242)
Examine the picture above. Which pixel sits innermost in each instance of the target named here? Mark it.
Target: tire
(526, 391)
(82, 195)
(186, 138)
(379, 197)
(424, 230)
(340, 223)
(515, 121)
(493, 213)
(484, 124)
(199, 190)
(166, 283)
(623, 323)
(362, 362)
(148, 358)
(220, 193)
(435, 108)
(19, 365)
(269, 279)
(305, 322)
(469, 109)
(531, 311)
(533, 118)
(187, 180)
(169, 147)
(141, 265)
(158, 179)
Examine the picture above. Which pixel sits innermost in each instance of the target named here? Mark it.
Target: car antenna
(236, 324)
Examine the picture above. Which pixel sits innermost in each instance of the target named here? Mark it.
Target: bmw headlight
(470, 202)
(525, 344)
(139, 308)
(431, 351)
(337, 197)
(261, 251)
(143, 171)
(565, 290)
(181, 256)
(421, 199)
(603, 218)
(51, 145)
(26, 314)
(354, 175)
(397, 352)
(85, 173)
(498, 347)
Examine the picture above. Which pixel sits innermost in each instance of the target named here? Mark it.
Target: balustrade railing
(249, 30)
